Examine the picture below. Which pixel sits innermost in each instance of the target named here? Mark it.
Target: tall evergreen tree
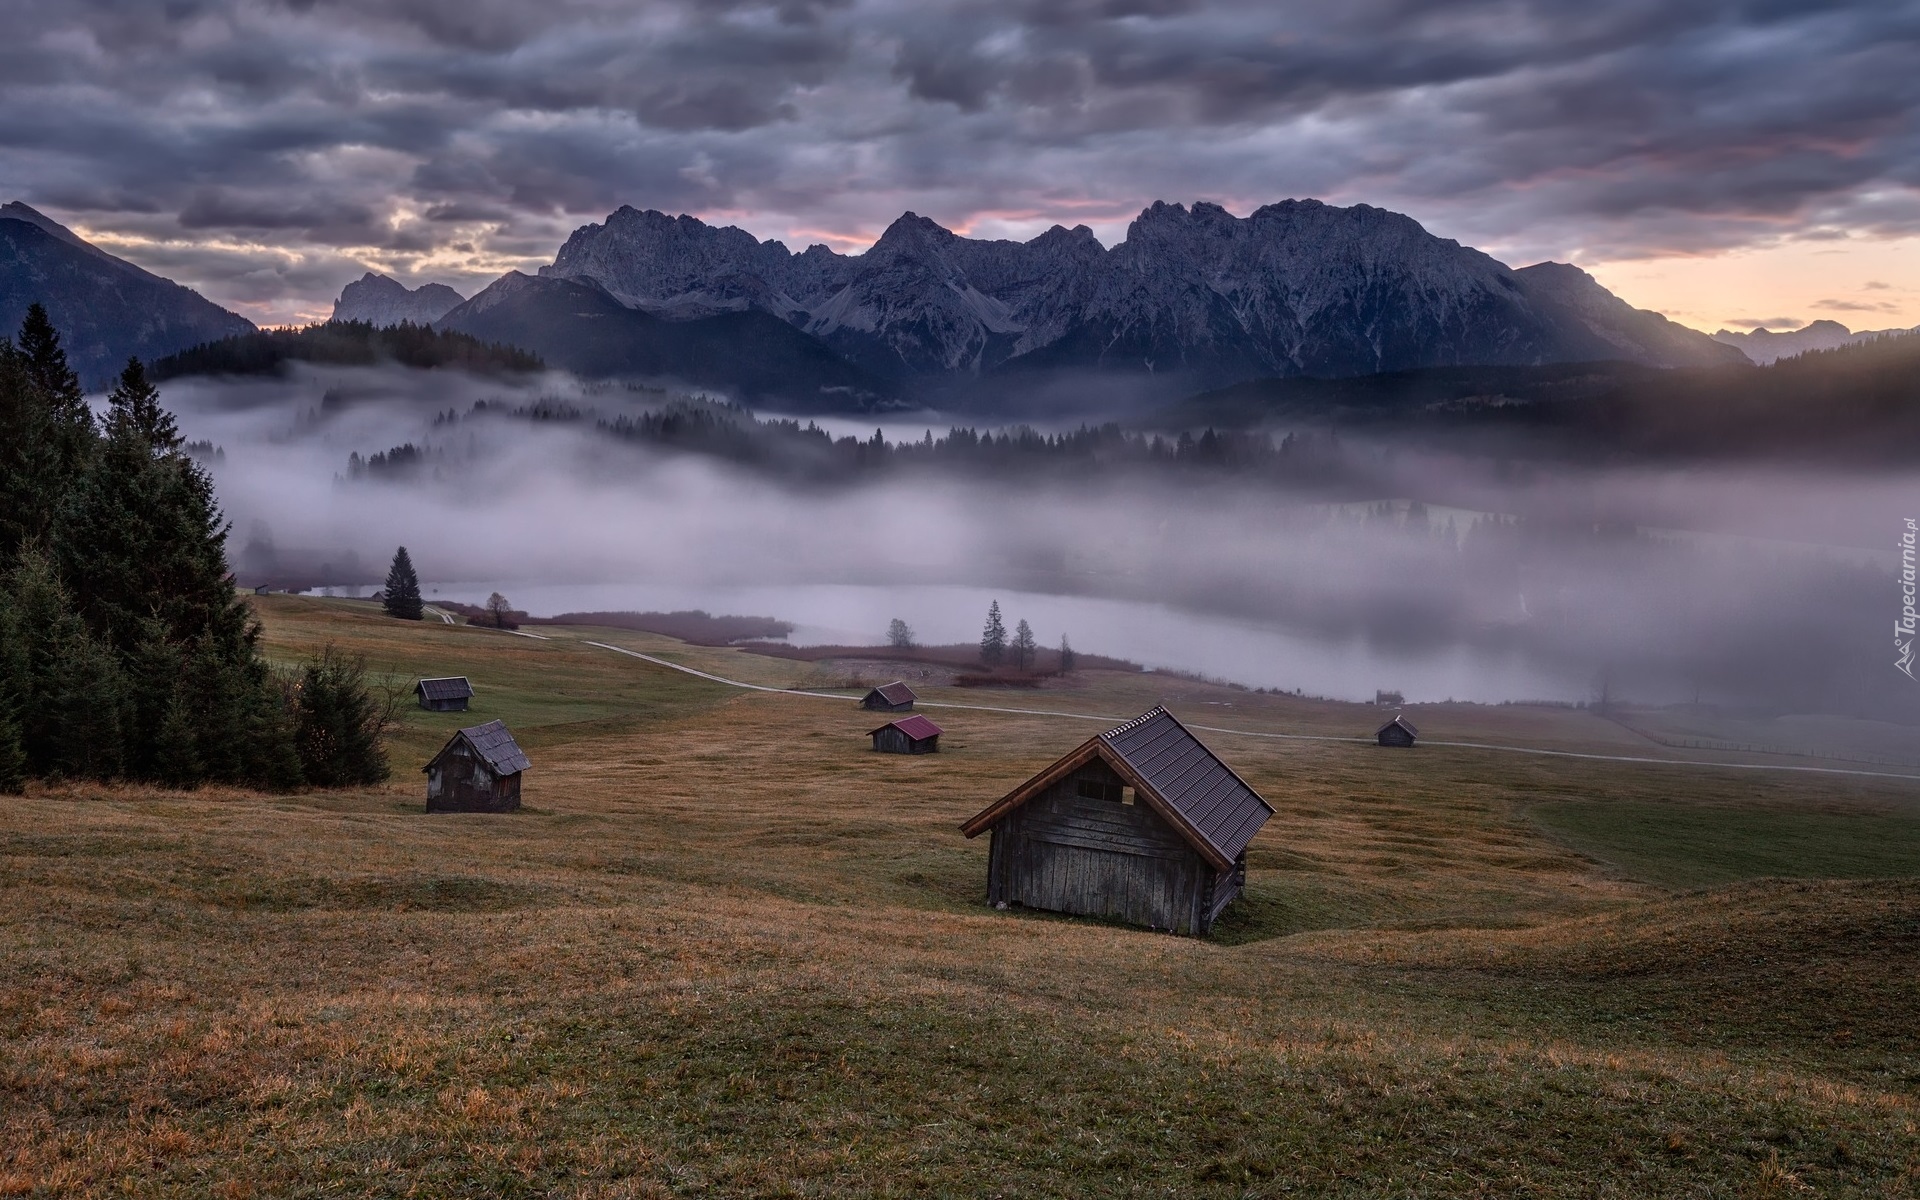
(133, 406)
(31, 478)
(993, 639)
(141, 539)
(1023, 645)
(1068, 659)
(47, 360)
(71, 429)
(401, 597)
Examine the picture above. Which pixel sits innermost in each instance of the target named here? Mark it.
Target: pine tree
(338, 723)
(993, 640)
(71, 430)
(1023, 645)
(402, 595)
(1068, 659)
(899, 635)
(47, 360)
(133, 407)
(141, 539)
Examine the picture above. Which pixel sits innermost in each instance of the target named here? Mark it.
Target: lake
(1154, 635)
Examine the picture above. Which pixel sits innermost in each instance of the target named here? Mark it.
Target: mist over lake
(1332, 566)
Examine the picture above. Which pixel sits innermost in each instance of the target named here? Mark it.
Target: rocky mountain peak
(383, 301)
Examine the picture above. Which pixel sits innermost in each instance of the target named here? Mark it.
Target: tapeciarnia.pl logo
(1903, 628)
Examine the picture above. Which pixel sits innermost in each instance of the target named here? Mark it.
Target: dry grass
(727, 951)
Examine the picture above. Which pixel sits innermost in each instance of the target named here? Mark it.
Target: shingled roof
(453, 687)
(1199, 795)
(493, 744)
(1402, 722)
(915, 727)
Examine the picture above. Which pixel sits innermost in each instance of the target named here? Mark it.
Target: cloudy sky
(1724, 162)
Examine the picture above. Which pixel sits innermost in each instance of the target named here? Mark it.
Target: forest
(124, 651)
(344, 344)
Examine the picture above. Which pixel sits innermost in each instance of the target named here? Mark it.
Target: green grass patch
(1682, 845)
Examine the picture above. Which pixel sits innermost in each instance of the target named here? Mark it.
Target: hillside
(750, 355)
(1859, 401)
(106, 309)
(632, 988)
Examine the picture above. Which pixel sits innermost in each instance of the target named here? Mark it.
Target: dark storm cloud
(392, 132)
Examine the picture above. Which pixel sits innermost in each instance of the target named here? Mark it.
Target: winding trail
(1285, 737)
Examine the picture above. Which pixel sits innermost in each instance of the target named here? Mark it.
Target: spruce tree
(71, 428)
(993, 640)
(133, 406)
(31, 478)
(338, 723)
(401, 597)
(1023, 645)
(1068, 659)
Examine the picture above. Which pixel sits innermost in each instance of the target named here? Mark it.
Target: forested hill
(1857, 402)
(348, 344)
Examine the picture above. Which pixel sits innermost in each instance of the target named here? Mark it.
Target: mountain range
(1192, 297)
(106, 309)
(1765, 346)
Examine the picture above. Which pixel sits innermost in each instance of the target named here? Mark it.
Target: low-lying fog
(1772, 589)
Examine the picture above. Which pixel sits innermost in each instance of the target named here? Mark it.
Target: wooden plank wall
(1063, 852)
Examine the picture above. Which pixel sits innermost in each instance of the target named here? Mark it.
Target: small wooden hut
(909, 735)
(1141, 823)
(478, 770)
(444, 695)
(889, 697)
(1397, 732)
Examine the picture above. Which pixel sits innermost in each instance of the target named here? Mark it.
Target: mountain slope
(1194, 295)
(1765, 346)
(381, 301)
(580, 327)
(106, 309)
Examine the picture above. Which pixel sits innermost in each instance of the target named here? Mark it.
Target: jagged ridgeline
(346, 344)
(124, 652)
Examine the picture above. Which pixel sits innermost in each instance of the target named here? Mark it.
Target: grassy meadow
(727, 951)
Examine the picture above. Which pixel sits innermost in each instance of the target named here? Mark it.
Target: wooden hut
(889, 697)
(1141, 823)
(444, 695)
(1397, 732)
(909, 735)
(478, 770)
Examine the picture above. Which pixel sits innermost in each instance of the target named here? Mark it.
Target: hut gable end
(478, 770)
(1172, 772)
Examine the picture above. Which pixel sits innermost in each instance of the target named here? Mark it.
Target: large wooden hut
(908, 735)
(478, 770)
(889, 697)
(444, 695)
(1141, 823)
(1397, 732)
